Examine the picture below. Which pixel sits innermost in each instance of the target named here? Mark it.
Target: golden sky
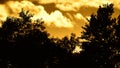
(62, 17)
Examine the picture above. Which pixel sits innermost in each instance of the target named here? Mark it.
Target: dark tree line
(25, 43)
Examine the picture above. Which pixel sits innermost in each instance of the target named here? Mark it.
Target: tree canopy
(101, 36)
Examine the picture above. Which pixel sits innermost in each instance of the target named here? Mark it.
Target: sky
(62, 17)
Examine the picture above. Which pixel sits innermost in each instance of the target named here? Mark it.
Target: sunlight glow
(78, 49)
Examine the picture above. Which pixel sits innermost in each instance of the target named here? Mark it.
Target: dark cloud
(3, 1)
(50, 7)
(35, 2)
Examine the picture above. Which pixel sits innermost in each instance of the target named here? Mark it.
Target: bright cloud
(56, 17)
(80, 17)
(60, 19)
(3, 13)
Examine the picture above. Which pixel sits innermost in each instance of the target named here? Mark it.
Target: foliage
(100, 33)
(69, 43)
(26, 44)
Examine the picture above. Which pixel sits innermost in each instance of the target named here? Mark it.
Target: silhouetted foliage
(25, 43)
(101, 34)
(23, 39)
(69, 43)
(70, 59)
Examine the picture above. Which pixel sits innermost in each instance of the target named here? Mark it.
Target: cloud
(74, 5)
(60, 20)
(79, 16)
(3, 1)
(65, 15)
(56, 17)
(3, 13)
(61, 13)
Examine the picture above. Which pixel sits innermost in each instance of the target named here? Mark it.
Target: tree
(99, 34)
(26, 43)
(116, 57)
(24, 36)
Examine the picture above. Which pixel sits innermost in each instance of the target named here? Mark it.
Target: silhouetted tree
(21, 39)
(99, 34)
(116, 57)
(26, 43)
